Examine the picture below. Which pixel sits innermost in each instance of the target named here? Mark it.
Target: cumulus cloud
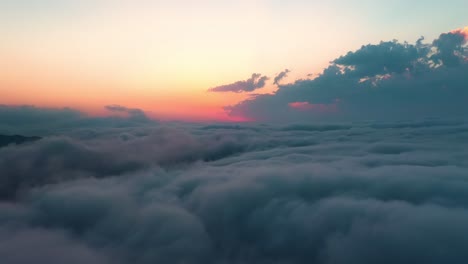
(390, 80)
(255, 82)
(281, 76)
(450, 48)
(386, 192)
(461, 31)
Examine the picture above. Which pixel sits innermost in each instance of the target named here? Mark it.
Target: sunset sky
(164, 56)
(233, 131)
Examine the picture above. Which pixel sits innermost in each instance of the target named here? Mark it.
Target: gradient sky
(162, 56)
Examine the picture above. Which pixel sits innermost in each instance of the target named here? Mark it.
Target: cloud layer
(367, 192)
(390, 81)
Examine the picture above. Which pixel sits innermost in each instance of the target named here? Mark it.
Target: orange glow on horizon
(30, 80)
(161, 57)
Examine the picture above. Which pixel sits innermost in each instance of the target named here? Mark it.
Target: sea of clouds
(126, 189)
(358, 192)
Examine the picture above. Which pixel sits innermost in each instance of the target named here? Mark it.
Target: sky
(165, 57)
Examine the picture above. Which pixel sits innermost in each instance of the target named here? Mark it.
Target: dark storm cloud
(281, 76)
(255, 82)
(389, 81)
(328, 193)
(31, 120)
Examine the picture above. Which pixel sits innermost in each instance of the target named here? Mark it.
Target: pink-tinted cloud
(306, 106)
(461, 31)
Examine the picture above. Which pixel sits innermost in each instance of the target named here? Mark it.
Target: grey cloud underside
(325, 193)
(386, 81)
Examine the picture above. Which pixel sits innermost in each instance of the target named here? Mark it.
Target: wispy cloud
(255, 82)
(281, 76)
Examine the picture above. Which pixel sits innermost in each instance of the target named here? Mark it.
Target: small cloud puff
(281, 76)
